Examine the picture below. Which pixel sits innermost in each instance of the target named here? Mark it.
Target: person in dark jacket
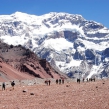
(3, 86)
(56, 81)
(13, 84)
(59, 81)
(78, 80)
(49, 82)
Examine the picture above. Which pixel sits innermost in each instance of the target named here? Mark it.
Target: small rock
(67, 85)
(96, 86)
(24, 91)
(31, 93)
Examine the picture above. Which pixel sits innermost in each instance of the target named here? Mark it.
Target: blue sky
(97, 10)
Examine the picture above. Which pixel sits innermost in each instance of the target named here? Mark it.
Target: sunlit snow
(58, 44)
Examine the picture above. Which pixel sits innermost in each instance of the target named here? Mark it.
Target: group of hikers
(88, 80)
(4, 85)
(61, 80)
(58, 81)
(48, 82)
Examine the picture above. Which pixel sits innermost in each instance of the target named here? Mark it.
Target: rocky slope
(16, 62)
(69, 42)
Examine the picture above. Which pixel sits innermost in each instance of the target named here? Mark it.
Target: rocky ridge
(16, 62)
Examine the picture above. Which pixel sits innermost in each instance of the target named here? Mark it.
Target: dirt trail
(71, 95)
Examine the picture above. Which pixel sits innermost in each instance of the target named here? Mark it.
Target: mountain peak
(62, 14)
(19, 14)
(39, 33)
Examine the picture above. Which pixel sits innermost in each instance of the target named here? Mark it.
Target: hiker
(46, 82)
(56, 81)
(13, 84)
(49, 82)
(94, 79)
(83, 79)
(78, 80)
(3, 86)
(59, 81)
(87, 79)
(62, 80)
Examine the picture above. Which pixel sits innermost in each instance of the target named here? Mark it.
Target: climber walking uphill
(3, 86)
(13, 84)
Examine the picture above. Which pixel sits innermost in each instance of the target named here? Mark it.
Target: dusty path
(91, 95)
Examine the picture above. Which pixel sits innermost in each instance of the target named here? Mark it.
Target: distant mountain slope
(69, 42)
(16, 62)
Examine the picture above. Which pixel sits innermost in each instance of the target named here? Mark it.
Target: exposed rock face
(71, 36)
(24, 62)
(77, 44)
(106, 52)
(90, 54)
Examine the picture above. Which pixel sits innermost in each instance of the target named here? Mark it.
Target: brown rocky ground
(71, 95)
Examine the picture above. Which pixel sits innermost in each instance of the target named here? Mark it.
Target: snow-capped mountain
(69, 42)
